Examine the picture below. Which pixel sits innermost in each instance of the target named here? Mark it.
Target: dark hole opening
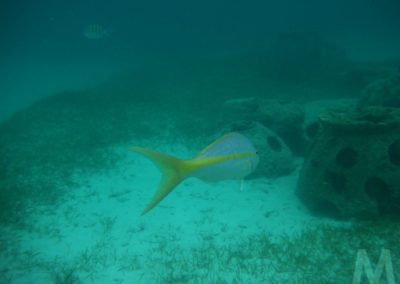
(346, 157)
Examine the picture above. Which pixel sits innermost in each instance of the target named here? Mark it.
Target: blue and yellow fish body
(232, 156)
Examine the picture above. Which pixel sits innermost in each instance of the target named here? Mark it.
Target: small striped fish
(95, 31)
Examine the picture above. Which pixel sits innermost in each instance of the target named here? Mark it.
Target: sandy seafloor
(98, 229)
(201, 233)
(101, 223)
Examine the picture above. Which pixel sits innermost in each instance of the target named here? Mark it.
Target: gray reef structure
(352, 169)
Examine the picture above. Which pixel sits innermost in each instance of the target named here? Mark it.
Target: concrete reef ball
(353, 167)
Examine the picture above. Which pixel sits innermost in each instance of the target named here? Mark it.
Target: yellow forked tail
(174, 171)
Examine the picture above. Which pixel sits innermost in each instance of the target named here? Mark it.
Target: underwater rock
(276, 159)
(353, 167)
(382, 92)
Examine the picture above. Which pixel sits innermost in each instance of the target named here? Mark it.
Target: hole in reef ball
(394, 152)
(346, 157)
(377, 189)
(274, 143)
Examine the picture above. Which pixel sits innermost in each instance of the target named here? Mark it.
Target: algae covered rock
(353, 167)
(275, 157)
